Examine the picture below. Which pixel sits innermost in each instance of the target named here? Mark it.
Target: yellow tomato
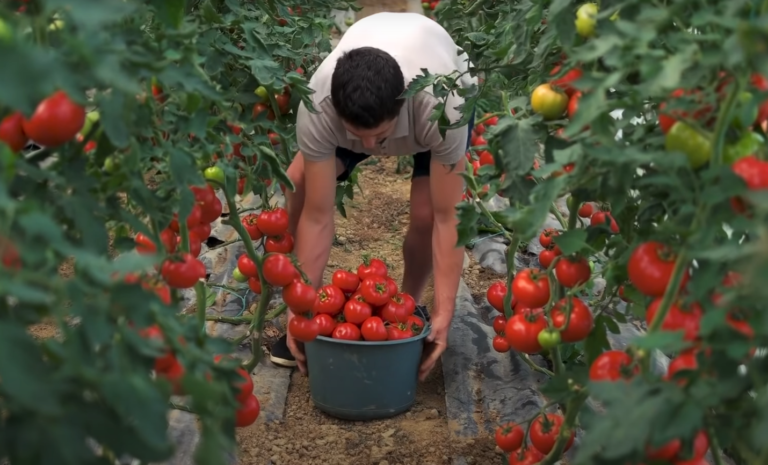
(548, 102)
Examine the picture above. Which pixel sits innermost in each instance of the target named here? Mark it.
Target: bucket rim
(424, 333)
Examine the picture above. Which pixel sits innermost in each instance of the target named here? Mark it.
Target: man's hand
(297, 350)
(437, 342)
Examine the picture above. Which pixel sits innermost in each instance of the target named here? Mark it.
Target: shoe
(280, 355)
(421, 312)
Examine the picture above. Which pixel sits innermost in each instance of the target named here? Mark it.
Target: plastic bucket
(363, 380)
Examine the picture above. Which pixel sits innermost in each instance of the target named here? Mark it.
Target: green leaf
(572, 241)
(419, 83)
(170, 12)
(210, 14)
(274, 164)
(665, 341)
(514, 145)
(468, 219)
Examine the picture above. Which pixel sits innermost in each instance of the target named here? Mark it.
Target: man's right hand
(297, 349)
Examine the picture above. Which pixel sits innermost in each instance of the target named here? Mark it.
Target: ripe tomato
(259, 108)
(548, 102)
(345, 280)
(486, 158)
(202, 231)
(526, 455)
(373, 329)
(283, 102)
(9, 255)
(248, 412)
(247, 267)
(392, 287)
(356, 311)
(601, 218)
(299, 296)
(346, 331)
(668, 119)
(279, 244)
(145, 245)
(303, 329)
(414, 325)
(650, 268)
(374, 290)
(545, 238)
(523, 329)
(195, 244)
(174, 374)
(194, 217)
(372, 267)
(273, 222)
(572, 272)
(492, 121)
(500, 344)
(330, 300)
(671, 450)
(564, 83)
(250, 224)
(544, 431)
(395, 310)
(546, 257)
(612, 365)
(325, 324)
(753, 171)
(12, 133)
(677, 319)
(509, 436)
(397, 332)
(500, 324)
(495, 295)
(579, 324)
(684, 361)
(244, 387)
(586, 209)
(278, 270)
(408, 302)
(254, 284)
(531, 288)
(184, 272)
(56, 120)
(573, 104)
(694, 145)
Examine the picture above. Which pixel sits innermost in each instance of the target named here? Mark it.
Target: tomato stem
(555, 211)
(182, 407)
(511, 251)
(713, 443)
(722, 123)
(670, 294)
(527, 360)
(232, 320)
(200, 291)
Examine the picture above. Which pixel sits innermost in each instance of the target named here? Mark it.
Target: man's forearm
(448, 261)
(314, 236)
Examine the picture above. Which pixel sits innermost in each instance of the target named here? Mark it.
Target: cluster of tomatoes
(479, 145)
(56, 121)
(554, 99)
(366, 305)
(430, 6)
(542, 434)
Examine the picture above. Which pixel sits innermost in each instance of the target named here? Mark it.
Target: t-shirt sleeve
(314, 135)
(450, 150)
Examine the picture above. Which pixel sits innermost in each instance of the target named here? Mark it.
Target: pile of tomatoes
(56, 121)
(542, 434)
(362, 306)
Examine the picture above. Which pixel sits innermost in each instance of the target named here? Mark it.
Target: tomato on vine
(546, 257)
(278, 270)
(572, 271)
(303, 329)
(531, 288)
(579, 322)
(495, 295)
(509, 436)
(525, 455)
(612, 365)
(548, 102)
(650, 268)
(250, 224)
(500, 344)
(677, 318)
(604, 218)
(273, 222)
(586, 210)
(247, 267)
(184, 272)
(522, 331)
(545, 238)
(499, 324)
(544, 431)
(12, 133)
(549, 338)
(299, 296)
(279, 244)
(56, 120)
(248, 412)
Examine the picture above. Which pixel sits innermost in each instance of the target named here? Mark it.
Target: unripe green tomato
(687, 140)
(571, 203)
(238, 276)
(586, 21)
(549, 338)
(425, 5)
(349, 21)
(90, 119)
(749, 144)
(109, 164)
(262, 92)
(214, 173)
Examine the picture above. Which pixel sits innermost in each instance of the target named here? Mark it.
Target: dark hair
(365, 87)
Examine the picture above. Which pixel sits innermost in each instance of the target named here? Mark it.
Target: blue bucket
(364, 380)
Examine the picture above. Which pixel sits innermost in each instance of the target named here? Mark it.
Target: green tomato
(425, 5)
(57, 25)
(90, 119)
(685, 139)
(749, 144)
(262, 92)
(745, 113)
(109, 164)
(214, 173)
(6, 34)
(238, 276)
(571, 203)
(349, 21)
(549, 338)
(585, 20)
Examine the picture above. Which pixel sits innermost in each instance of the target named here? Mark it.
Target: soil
(376, 224)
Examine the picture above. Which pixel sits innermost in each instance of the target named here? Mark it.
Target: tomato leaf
(513, 143)
(468, 219)
(26, 379)
(596, 343)
(171, 12)
(571, 242)
(419, 83)
(665, 341)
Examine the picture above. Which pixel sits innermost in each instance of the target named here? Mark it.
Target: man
(356, 94)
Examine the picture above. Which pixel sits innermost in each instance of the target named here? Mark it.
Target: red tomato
(278, 270)
(677, 319)
(193, 219)
(668, 119)
(356, 311)
(174, 374)
(612, 365)
(330, 300)
(195, 244)
(241, 186)
(500, 344)
(56, 121)
(650, 268)
(495, 295)
(12, 133)
(255, 285)
(145, 245)
(500, 324)
(479, 141)
(202, 231)
(586, 209)
(303, 329)
(544, 431)
(279, 244)
(531, 288)
(325, 324)
(250, 224)
(392, 288)
(184, 272)
(478, 130)
(601, 218)
(492, 121)
(395, 333)
(525, 456)
(523, 330)
(247, 267)
(573, 105)
(299, 297)
(273, 222)
(260, 108)
(373, 267)
(414, 325)
(545, 238)
(346, 331)
(9, 255)
(374, 290)
(373, 329)
(408, 302)
(564, 82)
(210, 205)
(486, 158)
(509, 436)
(622, 296)
(345, 280)
(248, 412)
(684, 361)
(580, 321)
(396, 310)
(572, 272)
(546, 257)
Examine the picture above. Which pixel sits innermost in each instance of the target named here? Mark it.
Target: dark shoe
(280, 355)
(421, 312)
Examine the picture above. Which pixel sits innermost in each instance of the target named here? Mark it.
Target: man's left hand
(437, 342)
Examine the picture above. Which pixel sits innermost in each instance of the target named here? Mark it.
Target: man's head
(365, 88)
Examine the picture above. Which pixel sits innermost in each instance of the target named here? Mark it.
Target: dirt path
(376, 225)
